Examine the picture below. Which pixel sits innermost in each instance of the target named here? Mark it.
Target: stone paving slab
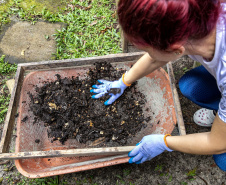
(23, 42)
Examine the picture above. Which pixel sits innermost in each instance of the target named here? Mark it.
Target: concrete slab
(23, 42)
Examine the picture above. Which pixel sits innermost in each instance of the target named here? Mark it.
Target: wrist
(125, 81)
(165, 139)
(166, 143)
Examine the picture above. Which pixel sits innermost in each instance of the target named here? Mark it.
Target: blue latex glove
(104, 88)
(149, 147)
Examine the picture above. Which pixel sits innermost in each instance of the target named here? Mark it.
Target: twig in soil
(4, 162)
(202, 179)
(98, 141)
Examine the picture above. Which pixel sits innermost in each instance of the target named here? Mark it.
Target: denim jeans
(199, 86)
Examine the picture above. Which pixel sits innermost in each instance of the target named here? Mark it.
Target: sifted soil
(69, 112)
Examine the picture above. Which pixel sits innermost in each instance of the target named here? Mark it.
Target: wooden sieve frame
(24, 68)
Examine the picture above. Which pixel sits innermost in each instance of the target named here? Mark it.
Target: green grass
(4, 102)
(90, 32)
(39, 181)
(5, 69)
(191, 174)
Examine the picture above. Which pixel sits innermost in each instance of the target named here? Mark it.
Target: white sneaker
(204, 117)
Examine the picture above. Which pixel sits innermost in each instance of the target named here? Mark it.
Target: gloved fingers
(134, 152)
(131, 160)
(138, 162)
(98, 90)
(110, 100)
(99, 86)
(137, 158)
(102, 81)
(143, 139)
(98, 95)
(143, 160)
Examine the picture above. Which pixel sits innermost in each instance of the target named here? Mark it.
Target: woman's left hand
(149, 147)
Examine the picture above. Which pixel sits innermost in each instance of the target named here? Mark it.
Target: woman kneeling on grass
(168, 30)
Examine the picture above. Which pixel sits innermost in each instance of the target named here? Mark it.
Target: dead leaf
(90, 180)
(103, 31)
(91, 124)
(122, 122)
(61, 177)
(82, 7)
(22, 52)
(52, 105)
(78, 6)
(98, 141)
(75, 178)
(189, 123)
(93, 23)
(2, 91)
(71, 6)
(88, 7)
(84, 43)
(213, 165)
(113, 15)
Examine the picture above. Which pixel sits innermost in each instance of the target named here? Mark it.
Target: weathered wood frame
(61, 64)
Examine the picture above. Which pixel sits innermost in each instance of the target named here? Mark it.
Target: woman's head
(162, 23)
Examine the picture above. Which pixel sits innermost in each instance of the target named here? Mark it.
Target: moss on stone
(5, 6)
(51, 5)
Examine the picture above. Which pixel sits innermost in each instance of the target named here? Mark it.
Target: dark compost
(67, 109)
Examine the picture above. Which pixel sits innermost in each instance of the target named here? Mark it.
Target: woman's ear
(177, 49)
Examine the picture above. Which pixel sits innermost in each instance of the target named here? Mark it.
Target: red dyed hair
(161, 23)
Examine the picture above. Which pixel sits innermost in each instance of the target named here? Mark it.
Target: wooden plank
(92, 161)
(67, 153)
(122, 57)
(179, 115)
(12, 109)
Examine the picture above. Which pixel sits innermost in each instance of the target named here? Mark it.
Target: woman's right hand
(114, 88)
